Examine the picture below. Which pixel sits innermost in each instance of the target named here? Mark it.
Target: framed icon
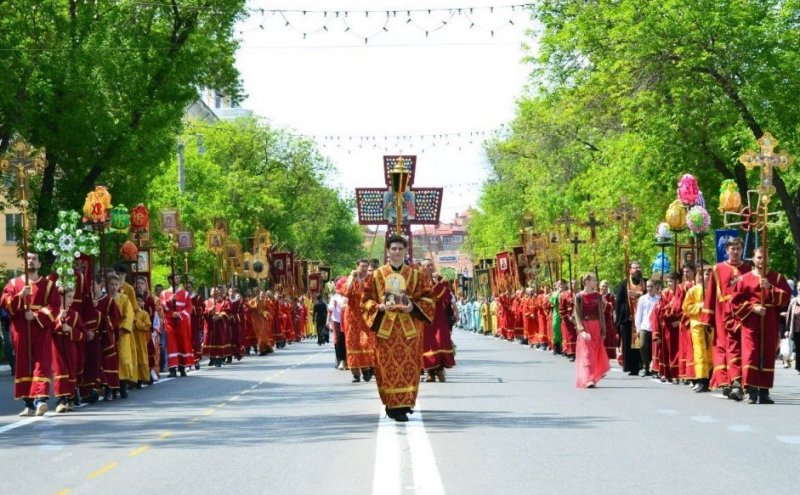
(185, 241)
(169, 220)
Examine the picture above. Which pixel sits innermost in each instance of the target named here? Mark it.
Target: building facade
(444, 244)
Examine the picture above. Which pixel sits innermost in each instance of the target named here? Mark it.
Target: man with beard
(726, 352)
(628, 293)
(32, 304)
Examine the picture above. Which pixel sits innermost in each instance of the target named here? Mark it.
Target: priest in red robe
(437, 342)
(32, 309)
(757, 300)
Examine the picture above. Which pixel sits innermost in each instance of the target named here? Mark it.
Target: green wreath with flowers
(66, 242)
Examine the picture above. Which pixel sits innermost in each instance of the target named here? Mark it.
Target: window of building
(13, 226)
(446, 239)
(458, 238)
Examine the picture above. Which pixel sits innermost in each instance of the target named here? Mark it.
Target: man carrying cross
(32, 308)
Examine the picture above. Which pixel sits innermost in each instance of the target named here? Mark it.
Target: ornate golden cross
(767, 161)
(624, 214)
(24, 159)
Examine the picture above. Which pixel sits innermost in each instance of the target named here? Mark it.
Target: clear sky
(458, 79)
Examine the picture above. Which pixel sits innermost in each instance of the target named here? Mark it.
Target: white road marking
(19, 423)
(794, 440)
(703, 419)
(741, 428)
(423, 463)
(386, 479)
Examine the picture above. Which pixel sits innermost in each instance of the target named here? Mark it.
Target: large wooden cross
(421, 206)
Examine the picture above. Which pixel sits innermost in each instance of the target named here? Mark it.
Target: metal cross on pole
(766, 161)
(567, 221)
(592, 225)
(24, 160)
(624, 214)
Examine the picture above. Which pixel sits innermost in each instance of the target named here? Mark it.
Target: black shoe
(229, 359)
(356, 378)
(76, 401)
(752, 399)
(763, 397)
(401, 417)
(726, 392)
(182, 370)
(172, 373)
(123, 390)
(212, 362)
(197, 365)
(218, 363)
(633, 373)
(367, 374)
(93, 397)
(735, 394)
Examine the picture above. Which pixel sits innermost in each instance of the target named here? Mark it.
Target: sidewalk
(5, 370)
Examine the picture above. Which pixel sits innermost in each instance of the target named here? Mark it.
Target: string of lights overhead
(368, 24)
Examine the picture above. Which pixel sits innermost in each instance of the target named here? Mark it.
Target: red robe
(530, 324)
(65, 353)
(33, 340)
(286, 320)
(215, 344)
(727, 351)
(758, 334)
(516, 310)
(665, 337)
(108, 320)
(611, 342)
(150, 308)
(437, 342)
(82, 304)
(505, 318)
(180, 350)
(542, 310)
(566, 303)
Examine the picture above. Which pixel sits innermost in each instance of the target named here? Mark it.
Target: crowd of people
(718, 327)
(712, 328)
(106, 337)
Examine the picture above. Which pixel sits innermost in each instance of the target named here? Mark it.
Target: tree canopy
(102, 86)
(255, 176)
(626, 97)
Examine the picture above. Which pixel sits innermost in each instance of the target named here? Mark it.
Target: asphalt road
(509, 420)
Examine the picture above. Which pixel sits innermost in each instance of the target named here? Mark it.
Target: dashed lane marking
(103, 470)
(135, 452)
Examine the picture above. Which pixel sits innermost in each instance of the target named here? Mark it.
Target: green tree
(254, 175)
(629, 95)
(103, 86)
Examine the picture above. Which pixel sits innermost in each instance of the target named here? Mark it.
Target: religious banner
(483, 278)
(521, 264)
(314, 283)
(503, 263)
(279, 267)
